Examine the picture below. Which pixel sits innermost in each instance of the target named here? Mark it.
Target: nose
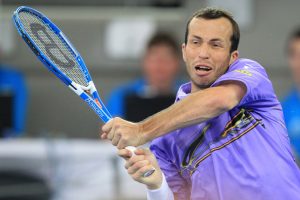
(203, 51)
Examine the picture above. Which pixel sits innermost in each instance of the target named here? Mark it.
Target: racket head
(57, 53)
(51, 46)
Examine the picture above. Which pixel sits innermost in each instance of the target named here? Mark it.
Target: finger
(124, 153)
(115, 139)
(142, 171)
(108, 126)
(132, 149)
(141, 151)
(103, 136)
(146, 171)
(122, 143)
(111, 134)
(137, 166)
(133, 160)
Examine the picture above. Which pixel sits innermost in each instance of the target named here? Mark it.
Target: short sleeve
(254, 77)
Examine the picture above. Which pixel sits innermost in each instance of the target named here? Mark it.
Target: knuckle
(118, 133)
(139, 165)
(125, 137)
(135, 177)
(130, 170)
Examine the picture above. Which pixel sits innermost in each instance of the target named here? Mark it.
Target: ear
(183, 49)
(233, 57)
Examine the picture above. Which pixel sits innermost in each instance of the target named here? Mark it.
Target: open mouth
(203, 68)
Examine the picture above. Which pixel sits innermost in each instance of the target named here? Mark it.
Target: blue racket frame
(100, 110)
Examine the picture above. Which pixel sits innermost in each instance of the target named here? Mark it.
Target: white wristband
(162, 193)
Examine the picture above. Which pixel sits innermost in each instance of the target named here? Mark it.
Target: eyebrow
(211, 40)
(217, 40)
(197, 37)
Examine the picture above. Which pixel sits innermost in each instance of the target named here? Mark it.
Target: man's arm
(195, 108)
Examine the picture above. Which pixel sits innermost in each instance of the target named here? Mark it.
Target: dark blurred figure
(167, 3)
(291, 103)
(16, 185)
(157, 88)
(13, 98)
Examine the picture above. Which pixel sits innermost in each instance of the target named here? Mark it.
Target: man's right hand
(139, 164)
(123, 133)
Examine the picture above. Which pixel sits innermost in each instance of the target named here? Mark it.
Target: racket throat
(89, 90)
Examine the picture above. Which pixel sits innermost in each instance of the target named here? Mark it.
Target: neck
(195, 88)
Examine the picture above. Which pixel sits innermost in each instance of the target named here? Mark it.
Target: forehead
(295, 43)
(211, 28)
(160, 48)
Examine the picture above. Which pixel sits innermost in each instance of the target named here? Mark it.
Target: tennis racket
(57, 53)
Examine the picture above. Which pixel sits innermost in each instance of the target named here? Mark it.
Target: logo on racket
(95, 106)
(98, 103)
(40, 32)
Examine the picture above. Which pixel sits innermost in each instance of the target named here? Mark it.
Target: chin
(201, 85)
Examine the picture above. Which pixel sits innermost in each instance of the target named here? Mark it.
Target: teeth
(203, 68)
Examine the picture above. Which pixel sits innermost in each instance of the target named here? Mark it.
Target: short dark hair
(295, 34)
(215, 13)
(162, 38)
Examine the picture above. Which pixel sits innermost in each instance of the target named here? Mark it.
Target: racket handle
(132, 149)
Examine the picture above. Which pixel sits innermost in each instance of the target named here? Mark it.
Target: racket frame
(93, 100)
(95, 103)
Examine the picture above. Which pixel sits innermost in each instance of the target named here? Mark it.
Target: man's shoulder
(248, 67)
(247, 64)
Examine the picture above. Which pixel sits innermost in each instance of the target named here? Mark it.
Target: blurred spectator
(291, 103)
(13, 98)
(157, 88)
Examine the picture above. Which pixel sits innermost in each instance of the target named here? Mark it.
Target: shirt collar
(183, 91)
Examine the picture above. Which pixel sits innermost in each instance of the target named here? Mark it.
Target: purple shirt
(243, 154)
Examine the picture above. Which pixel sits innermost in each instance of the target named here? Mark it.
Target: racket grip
(146, 174)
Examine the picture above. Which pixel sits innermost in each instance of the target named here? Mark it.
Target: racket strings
(53, 46)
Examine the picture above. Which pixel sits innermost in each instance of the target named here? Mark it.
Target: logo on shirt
(243, 71)
(200, 149)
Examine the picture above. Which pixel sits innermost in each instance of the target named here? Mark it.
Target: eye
(217, 44)
(195, 41)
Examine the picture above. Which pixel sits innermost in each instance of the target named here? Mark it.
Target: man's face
(294, 59)
(207, 52)
(161, 65)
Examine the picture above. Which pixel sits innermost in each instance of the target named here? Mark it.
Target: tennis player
(225, 137)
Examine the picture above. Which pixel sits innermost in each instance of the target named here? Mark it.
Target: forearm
(195, 108)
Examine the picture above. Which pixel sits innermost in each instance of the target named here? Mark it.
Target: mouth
(202, 70)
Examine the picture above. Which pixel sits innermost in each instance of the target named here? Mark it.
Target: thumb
(124, 153)
(145, 152)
